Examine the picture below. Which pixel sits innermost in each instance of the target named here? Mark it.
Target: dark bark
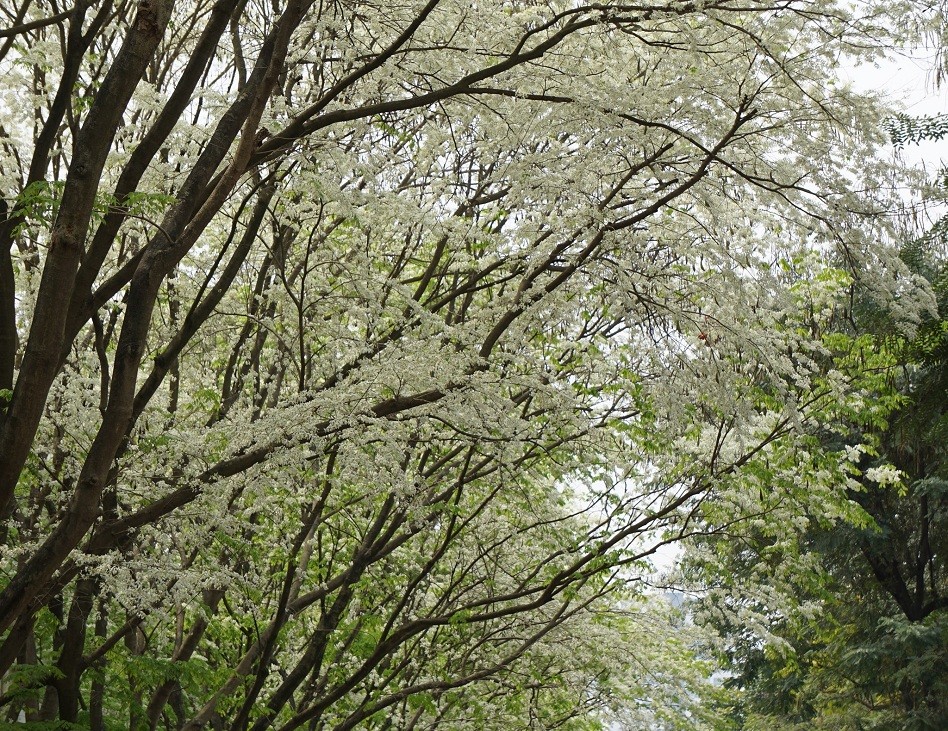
(180, 229)
(44, 345)
(97, 692)
(70, 655)
(82, 305)
(77, 44)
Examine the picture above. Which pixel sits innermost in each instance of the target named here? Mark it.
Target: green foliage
(27, 682)
(862, 639)
(905, 129)
(39, 202)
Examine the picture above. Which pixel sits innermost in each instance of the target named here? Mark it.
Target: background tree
(862, 643)
(355, 357)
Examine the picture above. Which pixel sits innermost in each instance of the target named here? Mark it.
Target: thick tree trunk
(41, 360)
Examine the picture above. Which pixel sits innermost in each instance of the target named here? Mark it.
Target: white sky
(909, 78)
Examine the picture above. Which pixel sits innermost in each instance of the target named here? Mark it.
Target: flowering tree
(354, 357)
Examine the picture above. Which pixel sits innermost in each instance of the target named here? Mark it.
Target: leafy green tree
(863, 642)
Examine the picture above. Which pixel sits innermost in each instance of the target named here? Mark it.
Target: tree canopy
(859, 641)
(356, 357)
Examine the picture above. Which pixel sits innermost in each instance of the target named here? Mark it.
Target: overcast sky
(910, 79)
